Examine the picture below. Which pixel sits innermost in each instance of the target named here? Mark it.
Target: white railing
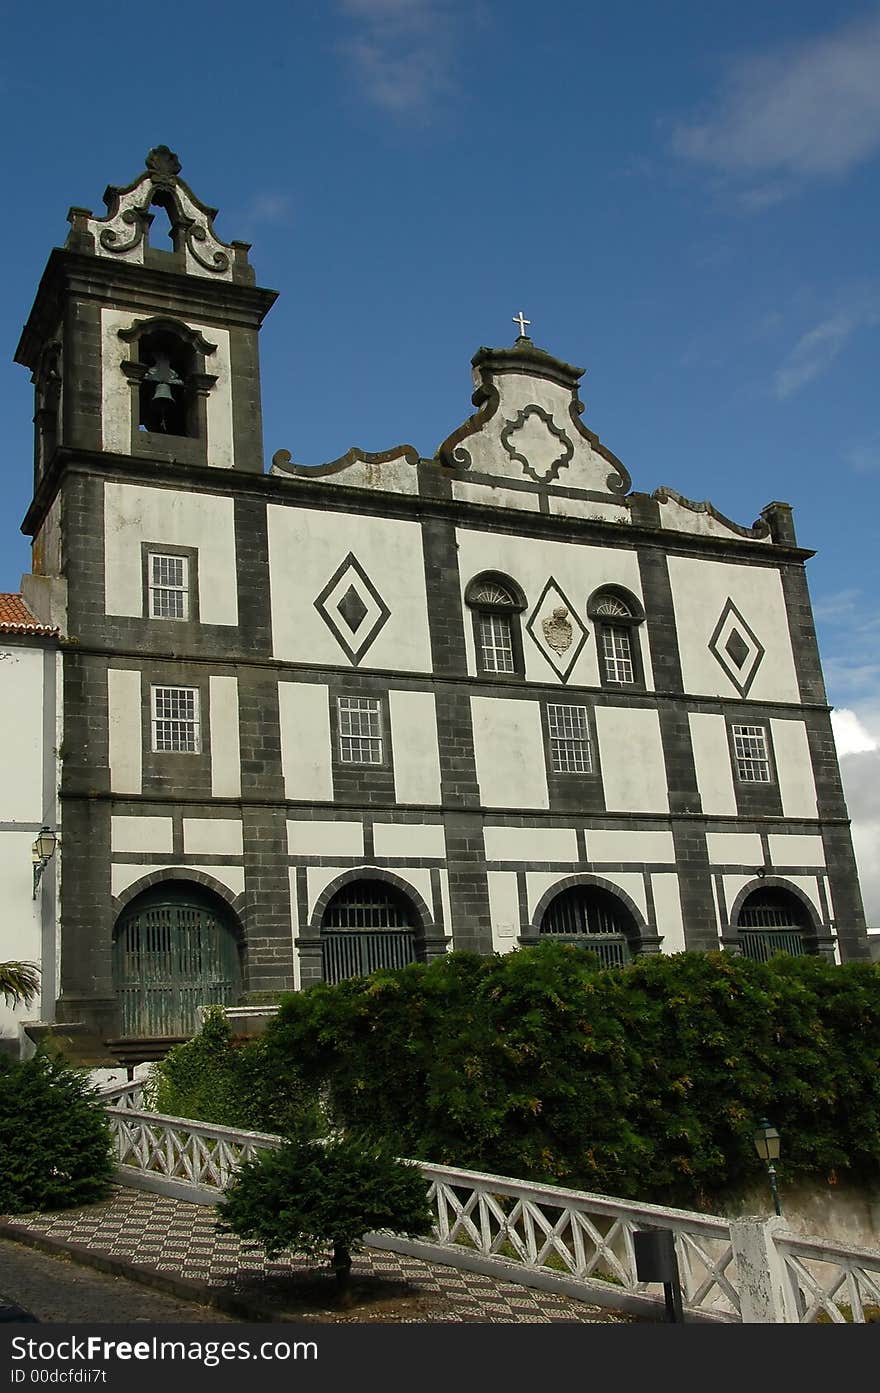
(827, 1282)
(542, 1235)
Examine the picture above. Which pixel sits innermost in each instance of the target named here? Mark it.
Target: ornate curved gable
(528, 437)
(124, 232)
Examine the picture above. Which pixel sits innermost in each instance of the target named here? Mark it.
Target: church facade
(319, 720)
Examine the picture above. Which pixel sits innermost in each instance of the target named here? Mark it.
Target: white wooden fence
(542, 1235)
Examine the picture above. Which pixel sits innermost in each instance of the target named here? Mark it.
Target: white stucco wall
(734, 849)
(531, 844)
(307, 547)
(504, 910)
(420, 840)
(626, 846)
(142, 834)
(414, 742)
(225, 745)
(700, 590)
(712, 762)
(631, 752)
(791, 849)
(125, 733)
(667, 908)
(794, 768)
(323, 837)
(509, 753)
(577, 569)
(305, 741)
(21, 748)
(212, 836)
(134, 514)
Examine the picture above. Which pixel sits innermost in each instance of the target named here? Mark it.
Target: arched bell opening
(176, 947)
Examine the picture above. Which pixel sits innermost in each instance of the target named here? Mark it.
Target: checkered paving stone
(160, 1234)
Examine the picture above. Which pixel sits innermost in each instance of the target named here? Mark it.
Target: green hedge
(215, 1078)
(643, 1082)
(54, 1137)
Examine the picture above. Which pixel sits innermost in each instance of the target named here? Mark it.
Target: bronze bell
(164, 376)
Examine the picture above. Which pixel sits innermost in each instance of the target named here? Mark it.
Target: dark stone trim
(236, 903)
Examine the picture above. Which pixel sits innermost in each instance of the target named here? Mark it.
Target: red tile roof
(16, 618)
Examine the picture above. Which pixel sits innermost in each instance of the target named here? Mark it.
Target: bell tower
(148, 541)
(144, 350)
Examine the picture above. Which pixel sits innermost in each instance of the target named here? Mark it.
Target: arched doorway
(174, 949)
(773, 920)
(368, 924)
(595, 919)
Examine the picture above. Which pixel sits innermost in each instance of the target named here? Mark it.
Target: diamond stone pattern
(552, 598)
(736, 648)
(353, 609)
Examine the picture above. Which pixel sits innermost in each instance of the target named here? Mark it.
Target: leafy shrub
(644, 1082)
(54, 1137)
(215, 1078)
(313, 1197)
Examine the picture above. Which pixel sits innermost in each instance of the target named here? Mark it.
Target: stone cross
(521, 320)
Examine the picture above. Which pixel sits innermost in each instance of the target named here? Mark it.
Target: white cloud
(804, 110)
(850, 736)
(402, 53)
(271, 208)
(864, 455)
(813, 353)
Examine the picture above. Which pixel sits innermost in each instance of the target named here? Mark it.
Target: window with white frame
(751, 755)
(495, 604)
(617, 615)
(175, 718)
(496, 643)
(569, 740)
(617, 654)
(168, 586)
(360, 730)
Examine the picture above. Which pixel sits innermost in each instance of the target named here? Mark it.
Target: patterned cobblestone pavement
(169, 1243)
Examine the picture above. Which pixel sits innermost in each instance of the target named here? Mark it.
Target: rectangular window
(569, 740)
(496, 643)
(176, 719)
(617, 654)
(168, 586)
(751, 755)
(360, 730)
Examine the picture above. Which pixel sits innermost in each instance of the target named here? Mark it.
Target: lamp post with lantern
(767, 1142)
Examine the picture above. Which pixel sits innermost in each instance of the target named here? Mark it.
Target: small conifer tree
(315, 1197)
(54, 1137)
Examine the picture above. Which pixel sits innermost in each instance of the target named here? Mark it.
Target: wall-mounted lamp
(42, 852)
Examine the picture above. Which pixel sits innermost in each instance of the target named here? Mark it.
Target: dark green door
(170, 956)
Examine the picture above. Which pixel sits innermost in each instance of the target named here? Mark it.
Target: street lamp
(42, 852)
(766, 1141)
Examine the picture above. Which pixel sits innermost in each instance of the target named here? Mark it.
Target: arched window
(174, 949)
(595, 919)
(773, 920)
(367, 925)
(496, 604)
(617, 615)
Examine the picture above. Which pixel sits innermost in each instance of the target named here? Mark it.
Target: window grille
(360, 730)
(366, 926)
(771, 923)
(176, 719)
(611, 606)
(617, 654)
(491, 592)
(751, 755)
(496, 643)
(593, 919)
(168, 586)
(570, 751)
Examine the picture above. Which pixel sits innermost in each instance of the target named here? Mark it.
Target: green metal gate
(367, 925)
(590, 918)
(170, 957)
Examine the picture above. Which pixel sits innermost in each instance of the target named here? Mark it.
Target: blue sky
(682, 197)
